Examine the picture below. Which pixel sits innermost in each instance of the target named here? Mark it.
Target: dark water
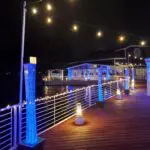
(9, 89)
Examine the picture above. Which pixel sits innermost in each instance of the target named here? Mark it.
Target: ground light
(118, 93)
(79, 115)
(132, 84)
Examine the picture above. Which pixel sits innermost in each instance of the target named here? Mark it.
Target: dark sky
(56, 44)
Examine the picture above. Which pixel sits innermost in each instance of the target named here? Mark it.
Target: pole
(21, 63)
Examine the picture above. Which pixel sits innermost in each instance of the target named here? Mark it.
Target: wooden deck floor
(121, 125)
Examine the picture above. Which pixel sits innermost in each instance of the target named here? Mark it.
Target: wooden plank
(121, 125)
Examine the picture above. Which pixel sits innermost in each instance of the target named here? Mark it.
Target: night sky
(56, 45)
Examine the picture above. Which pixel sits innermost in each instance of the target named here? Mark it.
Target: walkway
(121, 125)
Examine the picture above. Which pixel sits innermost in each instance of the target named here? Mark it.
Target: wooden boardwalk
(121, 125)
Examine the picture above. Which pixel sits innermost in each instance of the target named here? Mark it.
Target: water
(9, 89)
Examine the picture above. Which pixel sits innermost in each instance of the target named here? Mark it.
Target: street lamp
(49, 7)
(49, 20)
(143, 43)
(121, 38)
(34, 11)
(75, 28)
(99, 34)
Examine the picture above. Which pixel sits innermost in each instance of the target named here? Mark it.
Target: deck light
(79, 115)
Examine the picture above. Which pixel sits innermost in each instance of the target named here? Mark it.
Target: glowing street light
(49, 20)
(141, 58)
(135, 57)
(49, 7)
(143, 43)
(121, 38)
(34, 11)
(75, 28)
(99, 34)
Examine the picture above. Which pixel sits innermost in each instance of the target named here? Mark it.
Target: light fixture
(132, 84)
(49, 20)
(129, 55)
(75, 28)
(34, 11)
(99, 34)
(141, 58)
(121, 38)
(143, 43)
(79, 116)
(135, 57)
(49, 7)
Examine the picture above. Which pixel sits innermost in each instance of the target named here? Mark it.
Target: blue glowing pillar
(70, 74)
(89, 71)
(148, 75)
(108, 73)
(30, 88)
(100, 89)
(126, 79)
(85, 74)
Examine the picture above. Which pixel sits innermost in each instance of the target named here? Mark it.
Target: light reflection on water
(52, 90)
(9, 90)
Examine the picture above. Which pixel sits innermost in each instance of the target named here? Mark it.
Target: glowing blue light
(126, 79)
(108, 73)
(148, 68)
(85, 74)
(70, 74)
(100, 90)
(30, 87)
(148, 75)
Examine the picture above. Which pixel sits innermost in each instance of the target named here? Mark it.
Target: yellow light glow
(99, 34)
(49, 20)
(78, 109)
(121, 38)
(75, 28)
(143, 43)
(34, 11)
(49, 7)
(132, 84)
(118, 92)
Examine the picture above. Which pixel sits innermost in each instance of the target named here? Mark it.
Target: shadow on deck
(121, 125)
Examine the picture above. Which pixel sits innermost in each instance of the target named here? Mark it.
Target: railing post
(20, 124)
(90, 100)
(110, 88)
(54, 110)
(15, 127)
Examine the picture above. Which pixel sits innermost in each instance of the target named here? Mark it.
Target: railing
(8, 128)
(51, 111)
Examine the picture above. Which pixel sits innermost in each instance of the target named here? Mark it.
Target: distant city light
(135, 57)
(143, 43)
(141, 58)
(34, 11)
(129, 55)
(75, 28)
(49, 7)
(99, 34)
